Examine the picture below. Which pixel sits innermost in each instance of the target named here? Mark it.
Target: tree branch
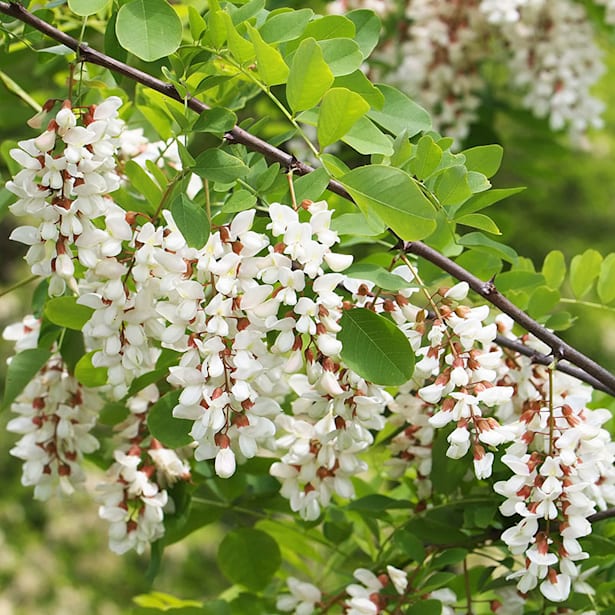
(593, 373)
(609, 513)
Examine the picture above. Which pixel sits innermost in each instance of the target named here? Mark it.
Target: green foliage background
(54, 559)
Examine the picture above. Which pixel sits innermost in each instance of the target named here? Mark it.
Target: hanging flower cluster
(445, 50)
(252, 317)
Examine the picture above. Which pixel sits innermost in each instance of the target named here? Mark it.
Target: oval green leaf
(21, 369)
(375, 348)
(269, 61)
(554, 268)
(309, 78)
(219, 166)
(249, 557)
(339, 111)
(87, 374)
(286, 26)
(342, 55)
(150, 29)
(394, 197)
(87, 7)
(485, 159)
(399, 113)
(606, 281)
(191, 220)
(172, 432)
(66, 312)
(584, 269)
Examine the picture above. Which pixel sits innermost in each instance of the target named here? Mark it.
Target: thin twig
(561, 350)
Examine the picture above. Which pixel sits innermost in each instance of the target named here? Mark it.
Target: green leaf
(542, 301)
(427, 157)
(376, 502)
(217, 120)
(72, 348)
(310, 76)
(150, 29)
(87, 7)
(197, 24)
(339, 111)
(560, 321)
(448, 558)
(367, 25)
(366, 138)
(394, 197)
(172, 432)
(452, 186)
(21, 369)
(606, 281)
(311, 186)
(477, 182)
(356, 224)
(240, 200)
(241, 49)
(330, 26)
(87, 374)
(219, 166)
(163, 602)
(191, 220)
(342, 55)
(409, 544)
(249, 557)
(247, 11)
(486, 199)
(375, 348)
(286, 26)
(334, 165)
(479, 221)
(584, 269)
(66, 312)
(501, 250)
(485, 159)
(113, 413)
(215, 35)
(425, 607)
(399, 113)
(357, 82)
(554, 268)
(143, 183)
(481, 263)
(436, 580)
(378, 275)
(269, 61)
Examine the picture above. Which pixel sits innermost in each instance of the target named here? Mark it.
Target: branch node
(488, 288)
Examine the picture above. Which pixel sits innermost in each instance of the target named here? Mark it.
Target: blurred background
(54, 558)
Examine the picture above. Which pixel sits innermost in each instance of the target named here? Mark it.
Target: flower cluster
(243, 334)
(133, 498)
(55, 417)
(441, 53)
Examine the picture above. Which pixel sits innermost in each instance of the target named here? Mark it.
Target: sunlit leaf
(310, 76)
(584, 269)
(375, 348)
(150, 29)
(394, 197)
(339, 111)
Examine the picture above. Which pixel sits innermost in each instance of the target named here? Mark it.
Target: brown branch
(543, 359)
(609, 513)
(487, 290)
